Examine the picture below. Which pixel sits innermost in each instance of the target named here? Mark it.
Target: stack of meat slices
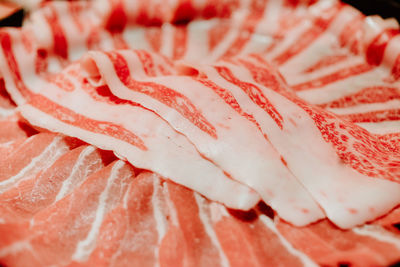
(200, 133)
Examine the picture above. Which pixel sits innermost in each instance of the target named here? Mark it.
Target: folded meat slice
(350, 70)
(159, 153)
(346, 169)
(134, 133)
(217, 126)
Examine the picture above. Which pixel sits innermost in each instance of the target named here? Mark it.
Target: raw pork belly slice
(79, 215)
(160, 154)
(143, 220)
(187, 96)
(214, 127)
(32, 156)
(28, 197)
(340, 187)
(155, 221)
(340, 181)
(361, 246)
(143, 138)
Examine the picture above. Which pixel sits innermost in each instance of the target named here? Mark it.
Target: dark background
(384, 8)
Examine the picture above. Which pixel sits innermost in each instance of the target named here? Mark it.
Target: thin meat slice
(186, 243)
(355, 73)
(30, 196)
(256, 238)
(35, 154)
(109, 238)
(218, 128)
(328, 245)
(129, 234)
(326, 14)
(313, 46)
(40, 141)
(95, 24)
(369, 154)
(140, 136)
(159, 222)
(140, 225)
(321, 151)
(67, 230)
(214, 126)
(218, 187)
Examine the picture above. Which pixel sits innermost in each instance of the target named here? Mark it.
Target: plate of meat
(199, 133)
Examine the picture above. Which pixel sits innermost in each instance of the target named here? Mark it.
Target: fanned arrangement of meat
(199, 133)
